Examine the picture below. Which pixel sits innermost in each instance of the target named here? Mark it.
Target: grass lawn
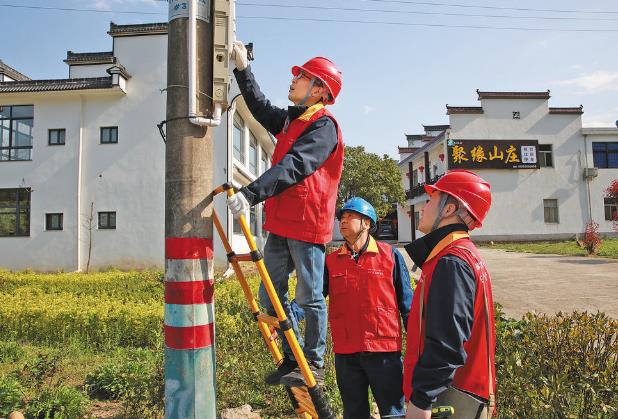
(608, 249)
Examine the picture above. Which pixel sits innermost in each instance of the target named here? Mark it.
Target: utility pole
(189, 283)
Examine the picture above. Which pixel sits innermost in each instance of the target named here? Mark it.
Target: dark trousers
(380, 371)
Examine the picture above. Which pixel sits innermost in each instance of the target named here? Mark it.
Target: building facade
(82, 163)
(548, 174)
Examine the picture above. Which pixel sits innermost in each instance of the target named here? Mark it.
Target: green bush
(11, 395)
(564, 366)
(10, 352)
(60, 402)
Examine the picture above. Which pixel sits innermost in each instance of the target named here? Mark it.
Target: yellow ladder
(308, 401)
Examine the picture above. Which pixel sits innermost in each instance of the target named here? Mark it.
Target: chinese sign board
(493, 154)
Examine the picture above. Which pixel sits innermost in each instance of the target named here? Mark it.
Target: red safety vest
(362, 311)
(473, 376)
(306, 210)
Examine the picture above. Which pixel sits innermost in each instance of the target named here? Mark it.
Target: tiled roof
(463, 109)
(573, 110)
(11, 72)
(137, 30)
(513, 95)
(436, 127)
(414, 136)
(404, 150)
(90, 57)
(56, 85)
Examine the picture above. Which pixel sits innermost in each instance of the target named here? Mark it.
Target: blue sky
(396, 77)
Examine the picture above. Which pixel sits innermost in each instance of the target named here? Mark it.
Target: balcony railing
(419, 189)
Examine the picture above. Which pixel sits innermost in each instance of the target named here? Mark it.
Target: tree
(371, 177)
(612, 192)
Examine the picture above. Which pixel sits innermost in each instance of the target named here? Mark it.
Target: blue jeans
(382, 371)
(281, 257)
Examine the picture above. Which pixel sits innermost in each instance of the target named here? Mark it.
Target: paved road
(524, 282)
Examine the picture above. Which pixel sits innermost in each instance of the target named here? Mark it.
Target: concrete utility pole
(189, 284)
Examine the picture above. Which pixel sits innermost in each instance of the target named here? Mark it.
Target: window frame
(610, 208)
(239, 123)
(56, 130)
(112, 129)
(253, 152)
(10, 146)
(544, 155)
(18, 210)
(108, 226)
(547, 218)
(48, 218)
(606, 154)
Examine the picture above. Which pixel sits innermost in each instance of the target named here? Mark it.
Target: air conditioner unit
(590, 173)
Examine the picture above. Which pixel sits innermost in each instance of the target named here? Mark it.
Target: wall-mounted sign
(180, 8)
(492, 154)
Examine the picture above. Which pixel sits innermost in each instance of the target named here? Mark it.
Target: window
(611, 209)
(56, 136)
(109, 135)
(550, 208)
(14, 212)
(107, 220)
(16, 124)
(236, 227)
(239, 139)
(417, 219)
(546, 155)
(264, 160)
(53, 221)
(605, 155)
(516, 115)
(253, 154)
(264, 232)
(414, 178)
(253, 220)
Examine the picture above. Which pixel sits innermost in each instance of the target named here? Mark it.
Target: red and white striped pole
(189, 329)
(189, 313)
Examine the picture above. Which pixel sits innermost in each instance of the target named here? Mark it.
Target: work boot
(296, 379)
(286, 366)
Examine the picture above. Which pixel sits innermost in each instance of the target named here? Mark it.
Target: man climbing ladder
(300, 190)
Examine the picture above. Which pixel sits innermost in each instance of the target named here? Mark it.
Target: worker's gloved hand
(239, 55)
(238, 204)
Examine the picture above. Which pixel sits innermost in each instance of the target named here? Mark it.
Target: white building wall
(599, 184)
(517, 207)
(128, 177)
(86, 70)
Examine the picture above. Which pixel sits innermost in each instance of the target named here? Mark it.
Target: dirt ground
(524, 282)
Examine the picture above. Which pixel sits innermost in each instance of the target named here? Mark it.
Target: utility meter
(224, 35)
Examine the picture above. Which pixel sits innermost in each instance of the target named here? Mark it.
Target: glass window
(253, 154)
(605, 155)
(253, 220)
(417, 218)
(239, 139)
(236, 227)
(56, 136)
(16, 126)
(550, 208)
(14, 212)
(263, 210)
(109, 135)
(107, 220)
(414, 178)
(53, 221)
(611, 209)
(546, 155)
(264, 162)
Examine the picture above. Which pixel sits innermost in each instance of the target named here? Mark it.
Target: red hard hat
(469, 189)
(324, 70)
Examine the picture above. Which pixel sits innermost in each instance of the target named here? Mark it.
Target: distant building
(547, 173)
(91, 140)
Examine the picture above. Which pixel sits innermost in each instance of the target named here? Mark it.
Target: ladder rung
(269, 320)
(243, 257)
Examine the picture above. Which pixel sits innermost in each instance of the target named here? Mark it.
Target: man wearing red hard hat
(451, 333)
(300, 190)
